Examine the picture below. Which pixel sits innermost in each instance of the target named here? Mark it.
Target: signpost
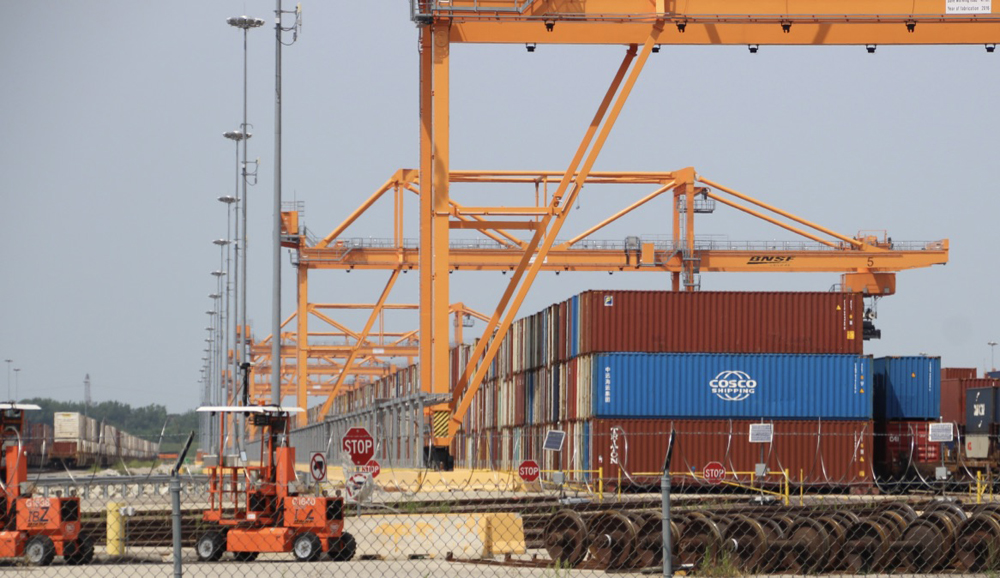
(359, 444)
(317, 466)
(529, 470)
(713, 472)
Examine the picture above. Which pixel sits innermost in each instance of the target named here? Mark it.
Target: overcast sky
(112, 157)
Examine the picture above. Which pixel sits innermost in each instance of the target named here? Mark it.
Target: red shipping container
(958, 373)
(902, 445)
(953, 396)
(720, 322)
(819, 453)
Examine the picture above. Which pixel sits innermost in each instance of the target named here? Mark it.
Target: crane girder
(714, 22)
(664, 260)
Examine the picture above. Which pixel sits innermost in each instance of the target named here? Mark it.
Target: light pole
(223, 275)
(993, 346)
(230, 326)
(9, 361)
(17, 371)
(208, 382)
(239, 296)
(276, 238)
(244, 23)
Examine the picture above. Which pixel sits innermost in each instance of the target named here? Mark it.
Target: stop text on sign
(714, 472)
(529, 470)
(359, 445)
(354, 447)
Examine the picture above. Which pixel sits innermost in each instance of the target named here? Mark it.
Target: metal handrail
(701, 243)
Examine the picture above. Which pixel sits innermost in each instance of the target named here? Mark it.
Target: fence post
(668, 549)
(175, 505)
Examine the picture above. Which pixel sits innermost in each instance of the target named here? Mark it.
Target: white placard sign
(941, 432)
(968, 6)
(761, 433)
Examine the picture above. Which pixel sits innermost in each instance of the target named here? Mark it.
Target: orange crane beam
(716, 22)
(779, 257)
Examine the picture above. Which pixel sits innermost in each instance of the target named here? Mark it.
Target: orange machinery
(37, 528)
(264, 508)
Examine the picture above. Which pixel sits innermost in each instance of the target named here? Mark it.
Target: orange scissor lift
(264, 508)
(37, 528)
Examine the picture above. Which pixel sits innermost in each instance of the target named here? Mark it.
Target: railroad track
(152, 528)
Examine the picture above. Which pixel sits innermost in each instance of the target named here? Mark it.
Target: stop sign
(372, 467)
(713, 472)
(528, 470)
(358, 444)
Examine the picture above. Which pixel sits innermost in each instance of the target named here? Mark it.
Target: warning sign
(968, 6)
(317, 466)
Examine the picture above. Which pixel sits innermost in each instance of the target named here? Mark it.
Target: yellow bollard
(116, 530)
(786, 487)
(801, 486)
(600, 483)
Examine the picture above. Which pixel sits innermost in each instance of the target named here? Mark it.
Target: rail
(784, 494)
(659, 242)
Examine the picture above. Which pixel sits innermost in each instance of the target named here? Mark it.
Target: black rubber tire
(40, 551)
(79, 552)
(343, 548)
(245, 556)
(210, 547)
(307, 547)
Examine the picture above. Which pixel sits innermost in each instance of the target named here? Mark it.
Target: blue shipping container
(703, 385)
(907, 388)
(979, 409)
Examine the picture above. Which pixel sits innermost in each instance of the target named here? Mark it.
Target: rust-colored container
(902, 447)
(819, 453)
(953, 396)
(958, 373)
(719, 322)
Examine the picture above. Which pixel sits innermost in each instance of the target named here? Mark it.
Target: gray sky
(111, 160)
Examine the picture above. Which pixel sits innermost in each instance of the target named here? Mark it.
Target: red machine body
(38, 528)
(265, 508)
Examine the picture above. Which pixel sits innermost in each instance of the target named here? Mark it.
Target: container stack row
(618, 370)
(973, 403)
(83, 441)
(908, 394)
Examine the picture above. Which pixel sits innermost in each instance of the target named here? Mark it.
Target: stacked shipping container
(83, 441)
(602, 359)
(907, 400)
(617, 370)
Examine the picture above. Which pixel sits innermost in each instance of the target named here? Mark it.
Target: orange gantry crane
(643, 26)
(867, 262)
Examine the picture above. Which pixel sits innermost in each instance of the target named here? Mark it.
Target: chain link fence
(835, 501)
